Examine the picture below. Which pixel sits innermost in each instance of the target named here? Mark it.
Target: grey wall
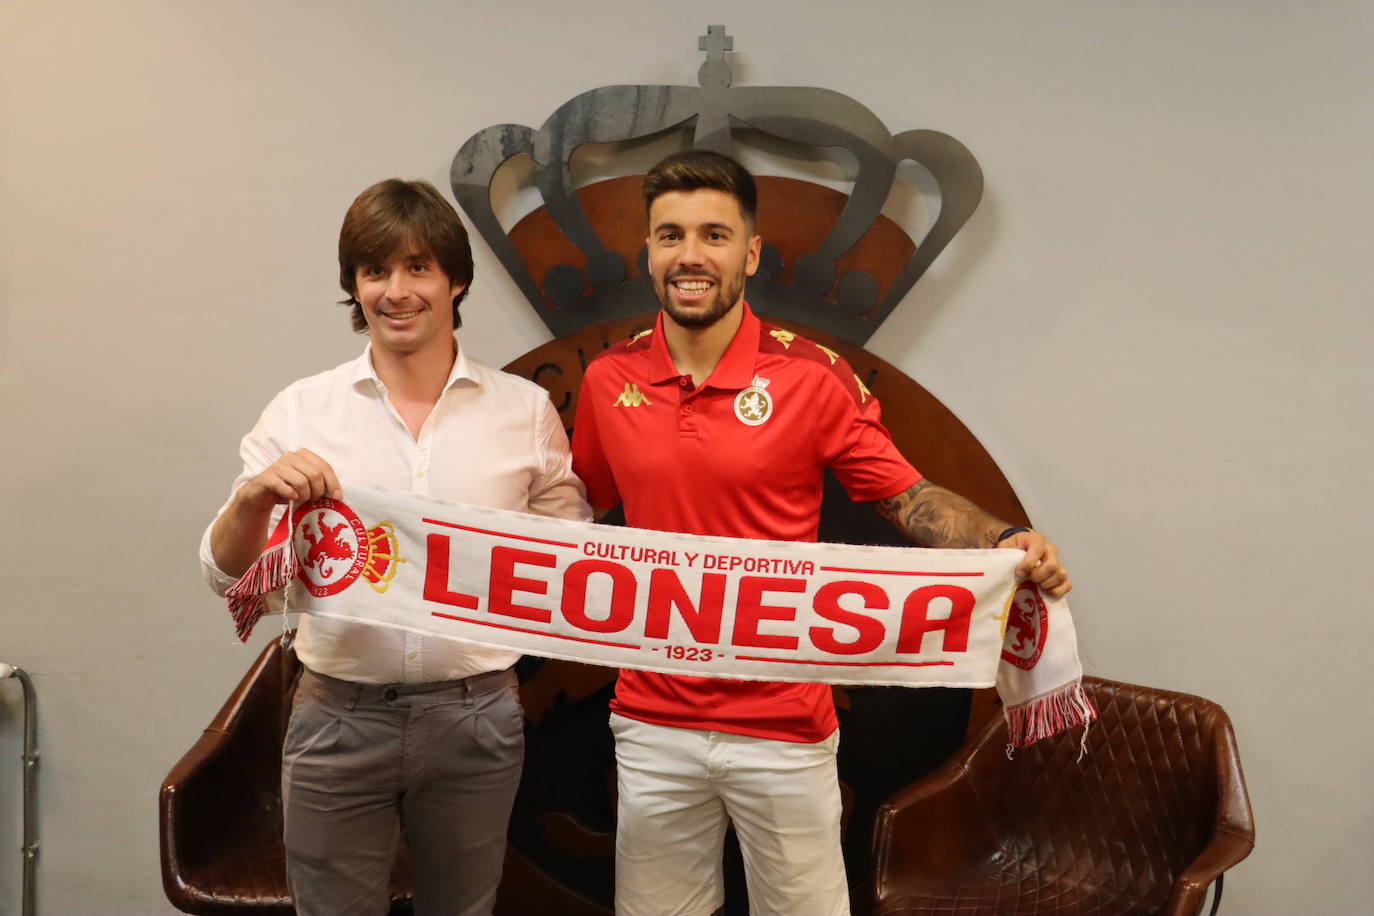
(1155, 322)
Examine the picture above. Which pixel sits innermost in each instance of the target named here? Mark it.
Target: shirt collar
(736, 366)
(365, 374)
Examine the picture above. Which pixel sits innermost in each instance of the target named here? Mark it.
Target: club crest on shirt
(754, 405)
(1027, 621)
(335, 548)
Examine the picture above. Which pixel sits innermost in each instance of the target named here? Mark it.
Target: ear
(751, 259)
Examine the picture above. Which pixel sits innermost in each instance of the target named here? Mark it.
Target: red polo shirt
(717, 459)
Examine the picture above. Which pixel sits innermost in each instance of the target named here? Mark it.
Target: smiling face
(407, 301)
(395, 217)
(700, 250)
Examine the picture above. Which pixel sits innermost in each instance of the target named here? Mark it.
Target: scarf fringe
(1049, 714)
(247, 599)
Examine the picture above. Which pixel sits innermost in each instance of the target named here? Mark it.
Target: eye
(373, 270)
(667, 236)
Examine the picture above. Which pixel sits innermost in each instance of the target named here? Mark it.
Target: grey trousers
(362, 762)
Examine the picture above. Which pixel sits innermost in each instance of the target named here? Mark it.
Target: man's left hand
(1041, 564)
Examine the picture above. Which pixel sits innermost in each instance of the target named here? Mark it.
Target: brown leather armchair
(1153, 814)
(219, 810)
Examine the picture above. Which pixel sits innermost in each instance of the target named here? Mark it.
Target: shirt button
(420, 474)
(684, 381)
(412, 655)
(688, 408)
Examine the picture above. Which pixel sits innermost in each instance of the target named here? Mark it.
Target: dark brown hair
(386, 219)
(697, 169)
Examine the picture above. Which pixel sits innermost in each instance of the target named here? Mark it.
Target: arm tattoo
(932, 516)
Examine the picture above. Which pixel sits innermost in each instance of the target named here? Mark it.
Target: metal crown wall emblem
(811, 289)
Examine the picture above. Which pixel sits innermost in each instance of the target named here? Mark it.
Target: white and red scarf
(680, 604)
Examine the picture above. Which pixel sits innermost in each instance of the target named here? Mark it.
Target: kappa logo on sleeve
(1027, 627)
(864, 393)
(783, 337)
(335, 548)
(632, 397)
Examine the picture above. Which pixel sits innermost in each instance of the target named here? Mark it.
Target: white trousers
(677, 789)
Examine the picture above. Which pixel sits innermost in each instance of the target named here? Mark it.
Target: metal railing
(30, 759)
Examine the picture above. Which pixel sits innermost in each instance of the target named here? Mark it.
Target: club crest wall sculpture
(832, 268)
(816, 287)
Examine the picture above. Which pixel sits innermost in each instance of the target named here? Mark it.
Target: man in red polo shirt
(716, 423)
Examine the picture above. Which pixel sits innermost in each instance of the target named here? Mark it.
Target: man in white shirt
(390, 728)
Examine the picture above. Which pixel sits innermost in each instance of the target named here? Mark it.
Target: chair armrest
(936, 827)
(181, 804)
(227, 783)
(1233, 835)
(1190, 889)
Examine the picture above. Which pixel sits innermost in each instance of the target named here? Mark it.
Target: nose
(397, 285)
(690, 251)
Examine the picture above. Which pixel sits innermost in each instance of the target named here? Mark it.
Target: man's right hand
(239, 534)
(296, 477)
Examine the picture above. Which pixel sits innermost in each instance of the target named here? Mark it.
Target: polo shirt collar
(364, 374)
(736, 366)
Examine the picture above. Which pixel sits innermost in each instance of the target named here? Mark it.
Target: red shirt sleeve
(857, 447)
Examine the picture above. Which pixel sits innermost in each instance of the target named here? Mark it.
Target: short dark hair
(391, 215)
(698, 169)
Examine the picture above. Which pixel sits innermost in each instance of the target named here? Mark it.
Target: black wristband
(1014, 529)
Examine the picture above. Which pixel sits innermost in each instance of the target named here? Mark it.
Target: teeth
(692, 286)
(401, 316)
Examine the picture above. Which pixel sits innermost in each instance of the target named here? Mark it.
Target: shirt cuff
(218, 580)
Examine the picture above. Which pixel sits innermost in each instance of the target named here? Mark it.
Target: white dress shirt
(493, 439)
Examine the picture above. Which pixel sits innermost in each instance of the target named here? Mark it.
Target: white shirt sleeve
(556, 491)
(264, 444)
